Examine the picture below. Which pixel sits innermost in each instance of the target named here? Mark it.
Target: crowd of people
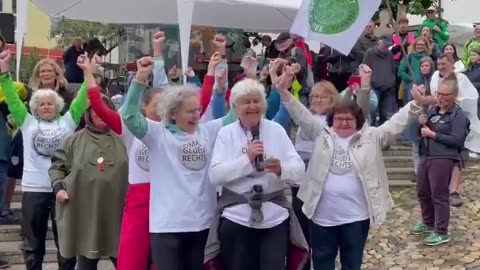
(231, 186)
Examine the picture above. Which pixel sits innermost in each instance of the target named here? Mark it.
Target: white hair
(173, 99)
(247, 87)
(42, 94)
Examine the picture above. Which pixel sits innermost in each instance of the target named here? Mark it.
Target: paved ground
(392, 246)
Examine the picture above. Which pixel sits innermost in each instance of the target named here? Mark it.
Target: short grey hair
(173, 99)
(41, 94)
(246, 87)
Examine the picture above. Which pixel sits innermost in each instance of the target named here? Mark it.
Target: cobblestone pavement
(392, 247)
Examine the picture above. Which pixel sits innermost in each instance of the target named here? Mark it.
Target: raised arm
(390, 130)
(80, 102)
(130, 112)
(108, 115)
(209, 81)
(299, 113)
(15, 105)
(160, 78)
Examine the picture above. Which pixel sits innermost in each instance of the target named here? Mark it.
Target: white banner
(336, 23)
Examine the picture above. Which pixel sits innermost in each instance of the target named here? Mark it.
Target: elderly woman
(346, 187)
(46, 74)
(255, 214)
(88, 172)
(444, 130)
(43, 131)
(182, 200)
(135, 248)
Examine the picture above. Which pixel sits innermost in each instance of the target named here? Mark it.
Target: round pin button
(100, 160)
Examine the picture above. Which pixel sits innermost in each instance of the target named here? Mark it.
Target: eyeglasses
(341, 119)
(193, 111)
(315, 97)
(443, 94)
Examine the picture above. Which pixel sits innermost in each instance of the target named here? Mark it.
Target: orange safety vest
(398, 41)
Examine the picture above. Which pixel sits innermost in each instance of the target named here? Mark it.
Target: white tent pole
(185, 13)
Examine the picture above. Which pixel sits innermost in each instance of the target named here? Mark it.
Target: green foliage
(66, 30)
(27, 64)
(415, 7)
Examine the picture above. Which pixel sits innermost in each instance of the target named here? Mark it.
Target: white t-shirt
(138, 158)
(305, 147)
(182, 199)
(231, 167)
(40, 140)
(343, 198)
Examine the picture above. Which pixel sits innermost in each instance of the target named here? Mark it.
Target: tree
(65, 30)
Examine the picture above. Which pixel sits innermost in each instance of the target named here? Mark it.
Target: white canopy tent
(261, 16)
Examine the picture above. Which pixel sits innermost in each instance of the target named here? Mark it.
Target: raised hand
(365, 73)
(418, 94)
(219, 41)
(144, 68)
(284, 81)
(190, 73)
(89, 65)
(273, 68)
(264, 73)
(172, 73)
(296, 68)
(157, 43)
(5, 58)
(215, 60)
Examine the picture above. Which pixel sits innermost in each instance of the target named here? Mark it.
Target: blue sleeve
(218, 105)
(283, 117)
(273, 104)
(195, 80)
(160, 78)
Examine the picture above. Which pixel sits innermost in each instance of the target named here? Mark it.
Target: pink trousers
(135, 249)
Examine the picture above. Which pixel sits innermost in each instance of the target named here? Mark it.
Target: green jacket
(472, 43)
(440, 37)
(404, 72)
(92, 166)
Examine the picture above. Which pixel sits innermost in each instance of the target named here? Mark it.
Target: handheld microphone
(259, 159)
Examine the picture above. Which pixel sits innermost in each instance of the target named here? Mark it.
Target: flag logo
(330, 17)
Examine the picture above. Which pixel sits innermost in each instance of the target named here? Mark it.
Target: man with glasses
(438, 27)
(472, 43)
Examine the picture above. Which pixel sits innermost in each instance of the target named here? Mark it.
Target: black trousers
(302, 219)
(37, 208)
(245, 248)
(179, 251)
(85, 263)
